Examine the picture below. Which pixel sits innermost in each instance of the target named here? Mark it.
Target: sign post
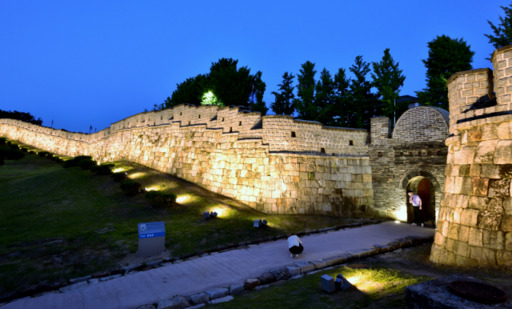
(151, 238)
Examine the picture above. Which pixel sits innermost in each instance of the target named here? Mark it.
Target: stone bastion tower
(474, 227)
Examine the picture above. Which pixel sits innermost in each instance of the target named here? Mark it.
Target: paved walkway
(219, 269)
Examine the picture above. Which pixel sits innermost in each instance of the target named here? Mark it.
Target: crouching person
(295, 246)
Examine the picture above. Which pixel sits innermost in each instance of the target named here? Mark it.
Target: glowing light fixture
(137, 175)
(209, 98)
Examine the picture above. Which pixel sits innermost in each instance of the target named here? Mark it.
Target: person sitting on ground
(295, 245)
(417, 204)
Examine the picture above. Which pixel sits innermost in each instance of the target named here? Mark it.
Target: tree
(388, 79)
(446, 56)
(27, 117)
(503, 32)
(364, 103)
(324, 98)
(304, 104)
(225, 84)
(284, 98)
(259, 89)
(342, 99)
(190, 91)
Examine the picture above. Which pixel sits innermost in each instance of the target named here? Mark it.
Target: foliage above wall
(27, 117)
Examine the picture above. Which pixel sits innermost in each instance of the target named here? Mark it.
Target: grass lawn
(60, 223)
(373, 287)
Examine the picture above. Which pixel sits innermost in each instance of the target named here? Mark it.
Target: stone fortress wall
(274, 163)
(474, 227)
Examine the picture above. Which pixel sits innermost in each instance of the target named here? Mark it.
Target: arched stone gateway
(412, 158)
(428, 188)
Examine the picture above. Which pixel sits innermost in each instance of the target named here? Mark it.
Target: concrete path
(219, 270)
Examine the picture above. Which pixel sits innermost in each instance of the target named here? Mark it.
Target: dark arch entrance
(425, 186)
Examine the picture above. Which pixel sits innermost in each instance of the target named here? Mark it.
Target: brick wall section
(475, 220)
(416, 148)
(255, 163)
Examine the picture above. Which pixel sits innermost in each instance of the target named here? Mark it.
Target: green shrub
(160, 199)
(2, 140)
(11, 154)
(82, 161)
(119, 176)
(44, 154)
(103, 169)
(130, 187)
(86, 164)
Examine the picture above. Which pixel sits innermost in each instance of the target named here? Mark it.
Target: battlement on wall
(482, 96)
(278, 133)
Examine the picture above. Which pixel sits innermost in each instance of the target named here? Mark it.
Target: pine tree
(388, 79)
(304, 104)
(342, 99)
(446, 57)
(364, 103)
(503, 32)
(324, 98)
(284, 98)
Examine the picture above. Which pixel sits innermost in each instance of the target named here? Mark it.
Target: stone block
(503, 153)
(251, 284)
(267, 278)
(236, 289)
(485, 152)
(328, 284)
(504, 258)
(469, 217)
(221, 299)
(479, 203)
(490, 171)
(465, 155)
(493, 239)
(320, 264)
(305, 267)
(508, 241)
(293, 270)
(499, 188)
(489, 220)
(199, 298)
(281, 273)
(480, 186)
(475, 237)
(484, 256)
(463, 233)
(506, 223)
(177, 302)
(217, 293)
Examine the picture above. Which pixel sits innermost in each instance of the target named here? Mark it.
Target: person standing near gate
(417, 204)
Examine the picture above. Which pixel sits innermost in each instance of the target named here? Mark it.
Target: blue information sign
(151, 229)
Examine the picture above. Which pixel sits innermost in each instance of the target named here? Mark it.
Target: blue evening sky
(80, 63)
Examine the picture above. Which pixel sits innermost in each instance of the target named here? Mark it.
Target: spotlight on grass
(210, 215)
(259, 223)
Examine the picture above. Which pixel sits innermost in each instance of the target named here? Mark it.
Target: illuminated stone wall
(413, 150)
(275, 163)
(475, 220)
